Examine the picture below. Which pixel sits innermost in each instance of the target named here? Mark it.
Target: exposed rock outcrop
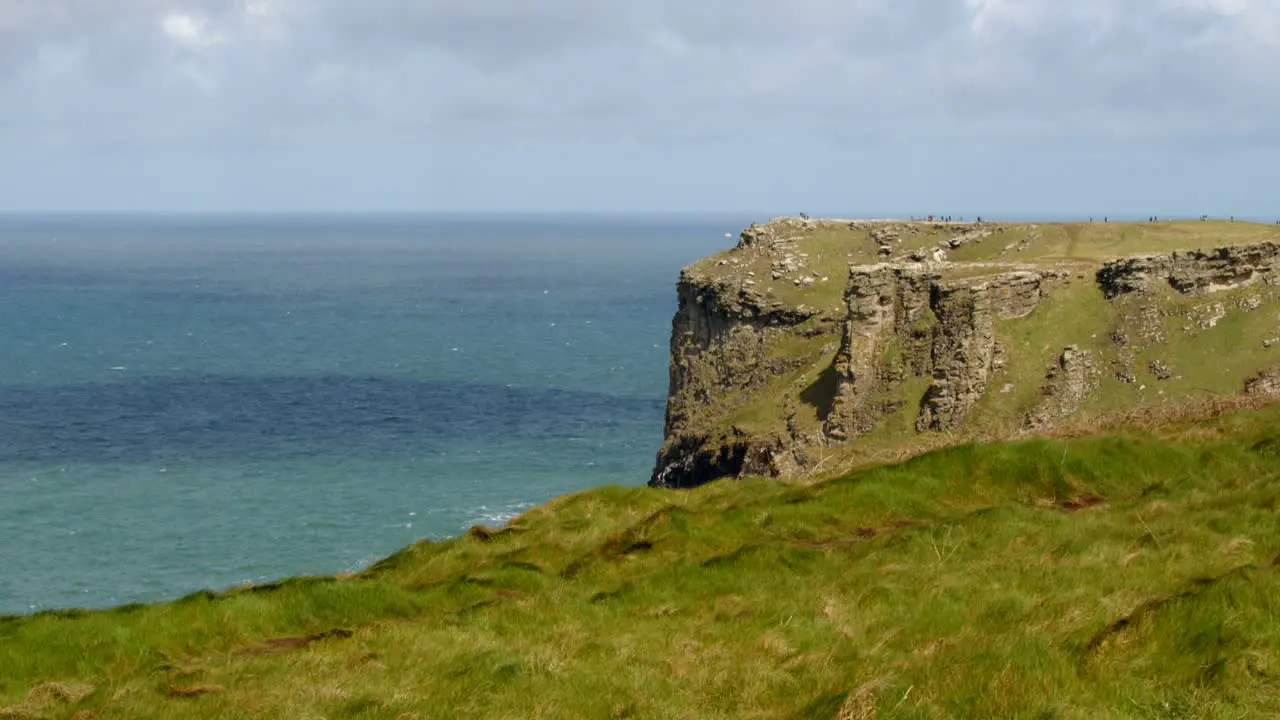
(888, 310)
(757, 236)
(904, 321)
(1192, 271)
(964, 347)
(1066, 385)
(718, 343)
(963, 350)
(973, 235)
(693, 460)
(719, 346)
(1266, 383)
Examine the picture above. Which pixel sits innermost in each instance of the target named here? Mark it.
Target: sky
(671, 106)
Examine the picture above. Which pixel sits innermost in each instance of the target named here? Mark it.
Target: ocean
(190, 403)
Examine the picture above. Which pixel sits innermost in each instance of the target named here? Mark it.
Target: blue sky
(849, 106)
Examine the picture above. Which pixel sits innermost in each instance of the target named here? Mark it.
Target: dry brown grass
(190, 691)
(42, 698)
(1185, 419)
(1161, 417)
(861, 703)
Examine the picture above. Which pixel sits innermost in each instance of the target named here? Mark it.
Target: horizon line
(998, 216)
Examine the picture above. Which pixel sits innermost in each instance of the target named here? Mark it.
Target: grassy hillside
(1127, 575)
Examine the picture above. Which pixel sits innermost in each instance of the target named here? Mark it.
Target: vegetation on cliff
(1126, 575)
(820, 345)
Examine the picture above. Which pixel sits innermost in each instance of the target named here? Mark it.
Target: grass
(759, 411)
(831, 246)
(1127, 575)
(1075, 314)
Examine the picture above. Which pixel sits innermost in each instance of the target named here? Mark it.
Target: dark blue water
(191, 403)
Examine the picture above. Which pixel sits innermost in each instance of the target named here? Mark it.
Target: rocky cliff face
(763, 382)
(1067, 384)
(887, 309)
(719, 347)
(1191, 271)
(964, 347)
(904, 321)
(718, 343)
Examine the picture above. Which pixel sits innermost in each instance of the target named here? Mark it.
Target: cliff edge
(816, 345)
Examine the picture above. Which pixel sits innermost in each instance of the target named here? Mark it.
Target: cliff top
(793, 262)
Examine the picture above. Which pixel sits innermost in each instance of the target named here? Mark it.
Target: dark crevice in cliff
(691, 462)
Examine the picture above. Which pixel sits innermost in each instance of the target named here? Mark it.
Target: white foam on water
(498, 516)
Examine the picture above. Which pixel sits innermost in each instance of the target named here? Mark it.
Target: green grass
(1075, 314)
(761, 409)
(1120, 576)
(1232, 347)
(1099, 241)
(832, 246)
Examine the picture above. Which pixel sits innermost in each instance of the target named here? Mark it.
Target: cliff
(817, 345)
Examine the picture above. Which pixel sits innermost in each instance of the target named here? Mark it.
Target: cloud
(243, 72)
(189, 31)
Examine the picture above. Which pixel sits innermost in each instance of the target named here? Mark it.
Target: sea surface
(191, 403)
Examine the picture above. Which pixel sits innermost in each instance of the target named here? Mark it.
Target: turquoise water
(190, 404)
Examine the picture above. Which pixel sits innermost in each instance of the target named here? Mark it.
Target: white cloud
(190, 31)
(918, 68)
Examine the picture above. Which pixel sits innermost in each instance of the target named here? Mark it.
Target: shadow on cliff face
(694, 461)
(821, 393)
